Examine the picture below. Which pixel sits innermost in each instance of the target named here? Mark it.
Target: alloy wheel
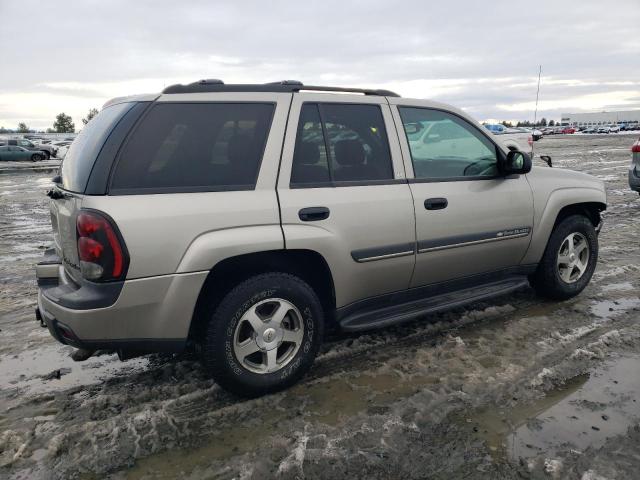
(268, 336)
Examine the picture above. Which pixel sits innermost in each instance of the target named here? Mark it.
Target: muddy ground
(517, 387)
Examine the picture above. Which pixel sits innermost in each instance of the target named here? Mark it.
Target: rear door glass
(341, 143)
(190, 147)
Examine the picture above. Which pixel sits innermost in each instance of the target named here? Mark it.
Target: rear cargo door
(75, 171)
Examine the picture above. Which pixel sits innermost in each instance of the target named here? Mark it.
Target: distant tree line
(526, 123)
(540, 123)
(62, 124)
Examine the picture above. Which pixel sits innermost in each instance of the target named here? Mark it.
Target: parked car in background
(11, 153)
(634, 170)
(590, 130)
(568, 130)
(326, 230)
(512, 137)
(547, 131)
(603, 129)
(47, 151)
(62, 151)
(614, 129)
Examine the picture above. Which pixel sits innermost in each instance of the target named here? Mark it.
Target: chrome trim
(384, 257)
(47, 270)
(474, 242)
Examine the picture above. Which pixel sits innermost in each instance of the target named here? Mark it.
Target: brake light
(101, 250)
(636, 147)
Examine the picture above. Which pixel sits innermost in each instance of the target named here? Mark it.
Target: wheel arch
(564, 203)
(309, 265)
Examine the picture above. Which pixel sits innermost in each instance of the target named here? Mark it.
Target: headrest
(239, 147)
(307, 153)
(349, 152)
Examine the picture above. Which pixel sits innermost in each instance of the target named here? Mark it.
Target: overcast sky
(482, 56)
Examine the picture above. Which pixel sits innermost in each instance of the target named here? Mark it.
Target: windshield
(84, 150)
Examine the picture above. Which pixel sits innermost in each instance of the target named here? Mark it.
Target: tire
(36, 157)
(560, 276)
(253, 375)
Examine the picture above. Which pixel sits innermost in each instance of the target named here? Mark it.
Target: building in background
(601, 118)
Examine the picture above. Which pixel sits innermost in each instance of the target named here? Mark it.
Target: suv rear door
(343, 193)
(469, 219)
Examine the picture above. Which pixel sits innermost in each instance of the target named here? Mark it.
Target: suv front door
(469, 218)
(343, 193)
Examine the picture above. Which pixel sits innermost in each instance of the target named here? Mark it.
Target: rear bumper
(145, 315)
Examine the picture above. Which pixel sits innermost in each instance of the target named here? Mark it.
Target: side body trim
(471, 239)
(381, 253)
(424, 246)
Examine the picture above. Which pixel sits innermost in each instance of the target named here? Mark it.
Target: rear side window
(191, 147)
(79, 160)
(340, 143)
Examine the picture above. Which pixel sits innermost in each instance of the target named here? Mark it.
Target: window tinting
(445, 146)
(79, 160)
(356, 140)
(310, 157)
(195, 147)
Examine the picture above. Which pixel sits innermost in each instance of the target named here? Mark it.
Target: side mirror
(432, 138)
(516, 163)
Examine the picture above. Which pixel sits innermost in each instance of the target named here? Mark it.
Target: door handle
(313, 214)
(435, 203)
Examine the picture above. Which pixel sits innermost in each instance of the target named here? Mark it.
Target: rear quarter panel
(189, 232)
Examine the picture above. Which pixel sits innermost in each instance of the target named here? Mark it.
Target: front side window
(444, 145)
(341, 143)
(186, 147)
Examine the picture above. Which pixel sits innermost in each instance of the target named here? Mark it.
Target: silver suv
(245, 220)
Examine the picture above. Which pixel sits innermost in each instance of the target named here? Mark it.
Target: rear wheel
(569, 260)
(264, 335)
(36, 157)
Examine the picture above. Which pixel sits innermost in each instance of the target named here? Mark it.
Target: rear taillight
(530, 140)
(103, 255)
(636, 147)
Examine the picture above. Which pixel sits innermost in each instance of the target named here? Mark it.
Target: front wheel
(569, 260)
(36, 157)
(264, 335)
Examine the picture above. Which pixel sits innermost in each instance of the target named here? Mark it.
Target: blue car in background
(15, 153)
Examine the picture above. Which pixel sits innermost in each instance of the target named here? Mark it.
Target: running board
(382, 317)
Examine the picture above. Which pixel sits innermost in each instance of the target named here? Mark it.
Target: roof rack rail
(284, 86)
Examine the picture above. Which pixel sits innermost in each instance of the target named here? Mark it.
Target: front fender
(546, 215)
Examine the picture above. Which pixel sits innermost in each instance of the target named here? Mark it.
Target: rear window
(82, 154)
(191, 147)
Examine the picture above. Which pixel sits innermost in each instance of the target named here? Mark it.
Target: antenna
(535, 113)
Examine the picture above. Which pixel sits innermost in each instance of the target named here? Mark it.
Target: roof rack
(284, 86)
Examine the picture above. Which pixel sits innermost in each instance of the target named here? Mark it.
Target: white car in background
(63, 147)
(514, 138)
(614, 129)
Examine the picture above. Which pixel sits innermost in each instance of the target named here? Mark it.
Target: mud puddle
(583, 412)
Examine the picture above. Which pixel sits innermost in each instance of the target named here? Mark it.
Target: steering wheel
(476, 168)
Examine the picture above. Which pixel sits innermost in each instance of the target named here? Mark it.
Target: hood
(545, 179)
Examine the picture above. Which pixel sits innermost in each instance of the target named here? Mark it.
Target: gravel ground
(517, 387)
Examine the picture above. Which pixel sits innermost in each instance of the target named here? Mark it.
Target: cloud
(479, 56)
